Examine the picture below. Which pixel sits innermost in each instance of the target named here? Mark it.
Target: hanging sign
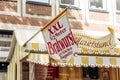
(59, 38)
(103, 43)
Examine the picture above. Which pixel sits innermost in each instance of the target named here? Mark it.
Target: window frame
(47, 3)
(104, 9)
(13, 0)
(69, 5)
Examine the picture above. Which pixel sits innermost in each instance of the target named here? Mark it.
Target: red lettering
(50, 48)
(60, 26)
(54, 28)
(50, 30)
(59, 45)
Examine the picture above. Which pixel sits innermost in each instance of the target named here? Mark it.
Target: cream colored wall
(14, 66)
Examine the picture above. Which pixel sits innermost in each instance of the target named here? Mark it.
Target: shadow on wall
(11, 6)
(22, 20)
(76, 25)
(8, 6)
(12, 19)
(75, 14)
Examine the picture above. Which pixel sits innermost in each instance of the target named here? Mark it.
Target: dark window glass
(68, 2)
(90, 72)
(96, 3)
(41, 1)
(118, 4)
(3, 66)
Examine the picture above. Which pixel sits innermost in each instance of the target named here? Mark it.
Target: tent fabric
(39, 58)
(90, 61)
(37, 43)
(113, 49)
(23, 36)
(36, 46)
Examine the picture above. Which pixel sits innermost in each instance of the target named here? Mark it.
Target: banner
(59, 38)
(103, 43)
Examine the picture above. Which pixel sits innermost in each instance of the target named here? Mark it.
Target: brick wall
(46, 11)
(22, 20)
(38, 10)
(8, 6)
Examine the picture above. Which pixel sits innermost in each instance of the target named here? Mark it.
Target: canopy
(106, 44)
(37, 43)
(91, 61)
(36, 51)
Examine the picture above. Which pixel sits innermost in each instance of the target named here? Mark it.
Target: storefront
(20, 67)
(32, 61)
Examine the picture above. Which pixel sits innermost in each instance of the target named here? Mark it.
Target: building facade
(92, 16)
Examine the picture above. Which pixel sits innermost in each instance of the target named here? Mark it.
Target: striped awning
(37, 44)
(90, 61)
(114, 51)
(39, 58)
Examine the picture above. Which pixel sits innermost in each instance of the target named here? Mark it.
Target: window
(3, 66)
(39, 2)
(118, 5)
(12, 0)
(97, 4)
(71, 3)
(5, 38)
(90, 72)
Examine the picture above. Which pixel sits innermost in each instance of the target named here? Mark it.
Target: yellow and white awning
(91, 61)
(37, 43)
(114, 51)
(39, 58)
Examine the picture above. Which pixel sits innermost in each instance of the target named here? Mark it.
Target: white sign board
(59, 38)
